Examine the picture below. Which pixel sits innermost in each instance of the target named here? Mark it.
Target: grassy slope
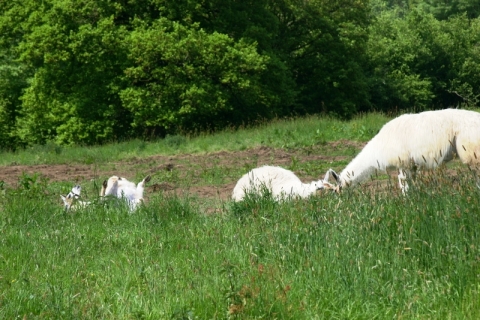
(278, 134)
(357, 256)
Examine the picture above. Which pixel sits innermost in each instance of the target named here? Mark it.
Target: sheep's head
(71, 198)
(324, 185)
(315, 186)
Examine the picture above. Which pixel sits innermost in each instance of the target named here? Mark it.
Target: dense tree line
(95, 71)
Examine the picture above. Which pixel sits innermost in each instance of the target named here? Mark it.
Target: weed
(33, 185)
(2, 188)
(175, 141)
(183, 314)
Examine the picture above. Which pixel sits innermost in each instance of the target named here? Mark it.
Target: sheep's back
(425, 139)
(276, 179)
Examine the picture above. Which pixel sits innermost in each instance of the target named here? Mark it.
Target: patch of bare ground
(79, 173)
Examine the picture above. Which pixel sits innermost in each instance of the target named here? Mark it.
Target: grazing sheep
(280, 182)
(123, 189)
(71, 200)
(415, 141)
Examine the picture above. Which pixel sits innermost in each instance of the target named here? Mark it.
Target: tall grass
(364, 254)
(360, 255)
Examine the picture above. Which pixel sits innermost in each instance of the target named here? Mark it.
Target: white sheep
(415, 141)
(282, 184)
(71, 200)
(121, 188)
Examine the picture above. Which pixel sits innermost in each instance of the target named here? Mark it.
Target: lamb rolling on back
(72, 200)
(416, 141)
(121, 188)
(282, 183)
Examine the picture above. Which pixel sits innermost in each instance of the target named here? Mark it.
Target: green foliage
(328, 43)
(440, 9)
(105, 70)
(12, 82)
(316, 48)
(465, 53)
(420, 63)
(443, 10)
(32, 186)
(186, 78)
(312, 132)
(91, 72)
(74, 49)
(366, 253)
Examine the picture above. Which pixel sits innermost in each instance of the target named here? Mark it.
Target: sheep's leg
(138, 197)
(67, 202)
(113, 191)
(104, 189)
(402, 180)
(141, 184)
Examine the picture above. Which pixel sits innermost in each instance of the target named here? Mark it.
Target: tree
(13, 77)
(74, 49)
(462, 44)
(184, 77)
(419, 62)
(316, 48)
(444, 9)
(328, 56)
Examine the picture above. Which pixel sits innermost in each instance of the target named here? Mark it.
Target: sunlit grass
(368, 253)
(288, 133)
(357, 255)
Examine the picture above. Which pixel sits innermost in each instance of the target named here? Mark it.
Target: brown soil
(133, 168)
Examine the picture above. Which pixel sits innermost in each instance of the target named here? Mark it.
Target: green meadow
(367, 253)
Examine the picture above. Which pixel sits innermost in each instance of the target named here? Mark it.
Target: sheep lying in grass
(121, 188)
(280, 182)
(71, 200)
(415, 141)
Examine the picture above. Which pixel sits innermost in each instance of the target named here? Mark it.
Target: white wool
(423, 140)
(282, 183)
(121, 188)
(71, 200)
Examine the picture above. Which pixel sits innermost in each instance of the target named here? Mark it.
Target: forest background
(91, 72)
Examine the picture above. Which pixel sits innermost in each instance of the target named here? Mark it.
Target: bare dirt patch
(79, 173)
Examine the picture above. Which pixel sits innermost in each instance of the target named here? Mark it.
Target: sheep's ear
(335, 176)
(147, 178)
(333, 173)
